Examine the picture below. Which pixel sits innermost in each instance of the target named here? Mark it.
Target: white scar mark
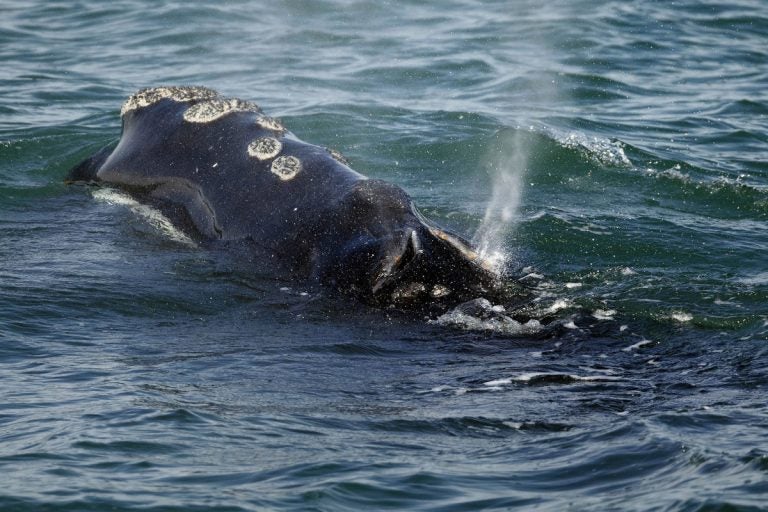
(146, 97)
(286, 167)
(265, 148)
(154, 217)
(216, 108)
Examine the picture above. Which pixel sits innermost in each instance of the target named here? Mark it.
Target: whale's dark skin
(222, 171)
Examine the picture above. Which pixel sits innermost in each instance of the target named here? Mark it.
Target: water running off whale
(224, 172)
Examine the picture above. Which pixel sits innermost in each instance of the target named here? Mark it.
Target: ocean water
(615, 153)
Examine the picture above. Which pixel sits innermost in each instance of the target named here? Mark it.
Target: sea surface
(615, 153)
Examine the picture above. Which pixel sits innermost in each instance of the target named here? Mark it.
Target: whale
(225, 172)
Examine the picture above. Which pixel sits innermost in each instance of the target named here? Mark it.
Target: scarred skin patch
(150, 96)
(216, 108)
(286, 167)
(265, 148)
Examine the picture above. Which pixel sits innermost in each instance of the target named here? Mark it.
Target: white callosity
(265, 148)
(213, 109)
(150, 96)
(208, 106)
(286, 167)
(270, 123)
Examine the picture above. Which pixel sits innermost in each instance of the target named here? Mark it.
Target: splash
(508, 164)
(481, 315)
(603, 151)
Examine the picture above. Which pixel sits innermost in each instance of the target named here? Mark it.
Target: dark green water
(141, 373)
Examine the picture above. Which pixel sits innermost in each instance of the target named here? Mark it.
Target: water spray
(507, 162)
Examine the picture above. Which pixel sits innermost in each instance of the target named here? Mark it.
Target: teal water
(138, 372)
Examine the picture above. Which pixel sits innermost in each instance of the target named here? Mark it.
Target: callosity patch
(216, 108)
(265, 148)
(149, 96)
(286, 167)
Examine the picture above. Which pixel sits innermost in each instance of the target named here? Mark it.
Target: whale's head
(381, 249)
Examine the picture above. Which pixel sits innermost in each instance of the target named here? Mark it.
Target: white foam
(498, 323)
(637, 345)
(681, 316)
(593, 229)
(605, 151)
(540, 376)
(499, 382)
(603, 371)
(558, 305)
(154, 217)
(604, 314)
(673, 173)
(760, 278)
